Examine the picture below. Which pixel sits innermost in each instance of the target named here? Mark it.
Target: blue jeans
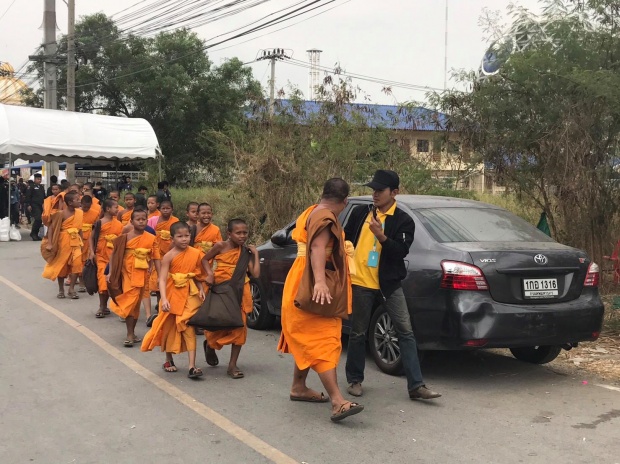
(364, 301)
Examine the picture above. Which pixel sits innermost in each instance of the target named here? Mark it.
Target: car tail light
(476, 343)
(595, 335)
(592, 276)
(462, 276)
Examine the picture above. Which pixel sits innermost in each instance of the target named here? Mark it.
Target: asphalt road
(70, 393)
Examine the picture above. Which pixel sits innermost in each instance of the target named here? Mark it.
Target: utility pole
(445, 52)
(50, 49)
(273, 55)
(70, 167)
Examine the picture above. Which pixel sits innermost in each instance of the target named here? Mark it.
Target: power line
(7, 10)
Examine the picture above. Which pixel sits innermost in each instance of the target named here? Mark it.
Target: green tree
(167, 80)
(549, 122)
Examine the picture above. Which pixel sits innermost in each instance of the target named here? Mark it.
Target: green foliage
(549, 122)
(167, 80)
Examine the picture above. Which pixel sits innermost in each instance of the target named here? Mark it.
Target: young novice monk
(125, 215)
(64, 241)
(181, 296)
(152, 206)
(207, 233)
(162, 225)
(192, 213)
(111, 229)
(50, 205)
(131, 259)
(226, 254)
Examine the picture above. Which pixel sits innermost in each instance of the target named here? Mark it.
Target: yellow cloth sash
(87, 227)
(206, 246)
(164, 234)
(141, 256)
(349, 250)
(109, 239)
(181, 280)
(74, 233)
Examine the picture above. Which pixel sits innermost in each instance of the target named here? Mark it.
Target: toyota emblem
(540, 259)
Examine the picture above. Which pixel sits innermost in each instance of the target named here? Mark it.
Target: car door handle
(261, 261)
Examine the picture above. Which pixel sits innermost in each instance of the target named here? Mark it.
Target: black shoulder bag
(89, 273)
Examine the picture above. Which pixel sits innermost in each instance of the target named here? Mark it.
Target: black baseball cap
(384, 179)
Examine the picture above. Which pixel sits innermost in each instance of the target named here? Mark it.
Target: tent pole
(116, 179)
(159, 164)
(10, 174)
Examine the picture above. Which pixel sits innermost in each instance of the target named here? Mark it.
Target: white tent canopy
(51, 135)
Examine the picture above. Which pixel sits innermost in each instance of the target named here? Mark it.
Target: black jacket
(399, 230)
(35, 195)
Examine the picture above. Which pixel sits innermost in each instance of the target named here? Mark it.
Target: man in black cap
(35, 195)
(382, 235)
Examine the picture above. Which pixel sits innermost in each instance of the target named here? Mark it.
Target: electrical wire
(7, 10)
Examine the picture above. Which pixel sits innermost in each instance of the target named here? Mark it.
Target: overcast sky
(399, 40)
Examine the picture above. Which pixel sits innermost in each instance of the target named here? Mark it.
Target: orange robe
(69, 257)
(207, 237)
(223, 268)
(313, 340)
(170, 330)
(136, 259)
(50, 206)
(164, 242)
(104, 247)
(90, 217)
(156, 213)
(126, 216)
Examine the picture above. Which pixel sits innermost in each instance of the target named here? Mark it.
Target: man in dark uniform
(4, 194)
(34, 202)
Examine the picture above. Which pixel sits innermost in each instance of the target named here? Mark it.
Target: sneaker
(355, 389)
(423, 393)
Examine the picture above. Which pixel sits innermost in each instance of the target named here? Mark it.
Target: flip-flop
(100, 315)
(194, 373)
(73, 295)
(354, 408)
(210, 355)
(137, 340)
(61, 296)
(235, 374)
(310, 399)
(169, 365)
(149, 321)
(81, 289)
(106, 312)
(128, 343)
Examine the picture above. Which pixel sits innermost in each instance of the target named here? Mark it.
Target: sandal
(210, 355)
(150, 319)
(106, 312)
(137, 340)
(169, 366)
(61, 296)
(81, 290)
(194, 373)
(354, 408)
(236, 374)
(100, 314)
(128, 343)
(311, 399)
(73, 295)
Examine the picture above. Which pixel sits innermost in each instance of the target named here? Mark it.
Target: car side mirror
(280, 238)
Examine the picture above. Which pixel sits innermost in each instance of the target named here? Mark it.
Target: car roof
(433, 201)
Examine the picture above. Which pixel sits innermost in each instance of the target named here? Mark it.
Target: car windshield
(478, 225)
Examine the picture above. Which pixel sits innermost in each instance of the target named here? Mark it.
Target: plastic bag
(14, 234)
(5, 225)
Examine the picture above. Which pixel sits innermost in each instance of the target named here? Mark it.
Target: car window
(346, 213)
(449, 225)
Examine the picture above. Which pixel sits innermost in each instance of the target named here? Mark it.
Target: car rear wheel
(259, 318)
(384, 343)
(536, 354)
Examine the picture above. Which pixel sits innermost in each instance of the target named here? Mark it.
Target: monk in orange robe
(66, 242)
(315, 340)
(192, 213)
(181, 295)
(101, 251)
(225, 255)
(152, 206)
(91, 215)
(133, 254)
(115, 195)
(207, 233)
(51, 205)
(162, 225)
(125, 215)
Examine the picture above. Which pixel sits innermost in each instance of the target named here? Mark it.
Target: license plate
(540, 288)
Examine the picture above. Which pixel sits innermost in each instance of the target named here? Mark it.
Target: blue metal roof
(384, 116)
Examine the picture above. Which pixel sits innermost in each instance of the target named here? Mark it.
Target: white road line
(608, 387)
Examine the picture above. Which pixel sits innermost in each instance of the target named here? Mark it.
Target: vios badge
(540, 259)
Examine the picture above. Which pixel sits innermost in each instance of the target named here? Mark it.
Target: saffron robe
(90, 217)
(156, 213)
(223, 268)
(170, 330)
(137, 255)
(50, 206)
(164, 242)
(126, 216)
(207, 237)
(313, 340)
(104, 247)
(68, 260)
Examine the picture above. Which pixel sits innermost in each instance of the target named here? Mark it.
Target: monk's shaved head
(335, 189)
(178, 226)
(235, 222)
